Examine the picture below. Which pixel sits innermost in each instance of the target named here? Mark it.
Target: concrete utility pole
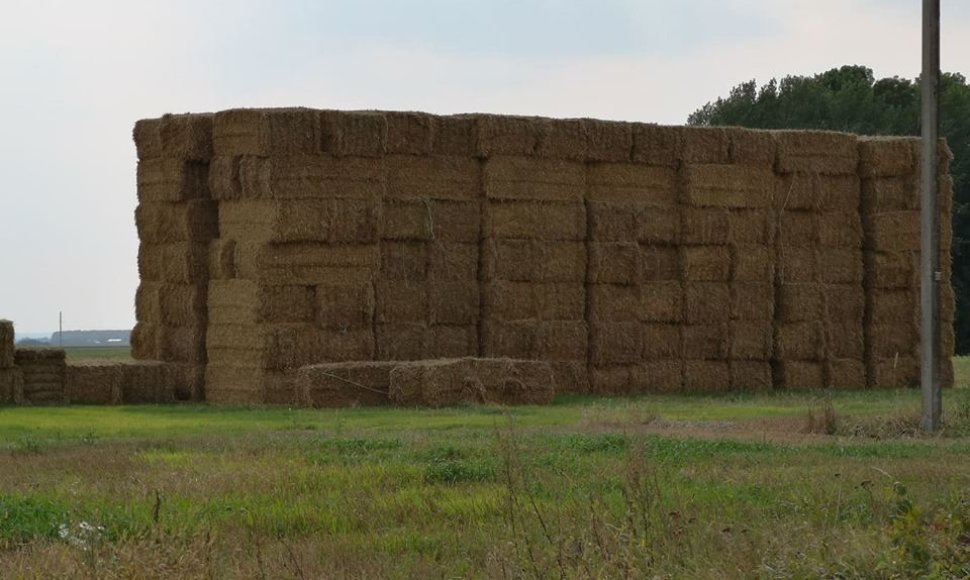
(930, 274)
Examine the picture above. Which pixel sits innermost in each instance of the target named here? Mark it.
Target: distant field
(770, 485)
(80, 353)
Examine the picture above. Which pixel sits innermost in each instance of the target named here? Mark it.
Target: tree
(851, 99)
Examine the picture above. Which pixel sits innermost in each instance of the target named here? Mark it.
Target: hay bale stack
(129, 382)
(448, 382)
(890, 170)
(43, 375)
(6, 344)
(11, 386)
(350, 384)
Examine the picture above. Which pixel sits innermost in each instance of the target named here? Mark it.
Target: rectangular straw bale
(751, 340)
(888, 270)
(844, 339)
(616, 343)
(190, 382)
(456, 261)
(144, 341)
(614, 303)
(285, 304)
(312, 220)
(177, 304)
(436, 177)
(729, 186)
(266, 132)
(613, 263)
(527, 178)
(6, 344)
(170, 180)
(180, 262)
(453, 302)
(616, 380)
(223, 180)
(535, 220)
(661, 341)
(472, 381)
(817, 152)
(306, 176)
(395, 301)
(794, 374)
(750, 226)
(608, 140)
(455, 135)
(798, 265)
(11, 386)
(705, 226)
(797, 191)
(94, 383)
(148, 138)
(897, 193)
(354, 133)
(182, 344)
(839, 192)
(233, 385)
(706, 341)
(407, 220)
(562, 340)
(661, 302)
(705, 145)
(844, 303)
(657, 144)
(534, 260)
(149, 382)
(893, 306)
(658, 226)
(570, 377)
(506, 300)
(347, 384)
(707, 302)
(405, 261)
(183, 137)
(612, 222)
(752, 301)
(749, 147)
(750, 375)
(222, 259)
(232, 302)
(705, 263)
(894, 372)
(657, 376)
(290, 346)
(311, 264)
(885, 157)
(345, 345)
(400, 341)
(409, 133)
(846, 373)
(798, 228)
(561, 139)
(801, 341)
(177, 222)
(707, 376)
(506, 135)
(896, 231)
(450, 341)
(752, 263)
(631, 183)
(457, 221)
(840, 229)
(890, 338)
(659, 263)
(280, 388)
(517, 339)
(841, 266)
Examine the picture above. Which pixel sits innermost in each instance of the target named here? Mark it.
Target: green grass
(109, 353)
(674, 486)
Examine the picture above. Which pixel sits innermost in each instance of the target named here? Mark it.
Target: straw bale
(561, 139)
(455, 135)
(705, 226)
(798, 265)
(815, 192)
(180, 263)
(534, 261)
(6, 344)
(506, 135)
(894, 372)
(844, 303)
(184, 137)
(661, 341)
(751, 340)
(730, 186)
(266, 132)
(608, 140)
(181, 344)
(749, 226)
(407, 220)
(800, 302)
(612, 222)
(354, 133)
(400, 341)
(170, 304)
(888, 270)
(707, 302)
(657, 145)
(659, 263)
(561, 340)
(347, 384)
(223, 181)
(189, 382)
(304, 177)
(706, 341)
(447, 382)
(165, 180)
(889, 339)
(839, 192)
(148, 382)
(749, 147)
(335, 221)
(450, 341)
(817, 152)
(290, 346)
(506, 300)
(222, 259)
(614, 303)
(435, 177)
(844, 339)
(616, 343)
(148, 138)
(613, 263)
(395, 301)
(705, 263)
(706, 145)
(457, 221)
(236, 344)
(895, 231)
(43, 372)
(11, 386)
(750, 375)
(570, 376)
(404, 261)
(309, 264)
(752, 301)
(799, 341)
(285, 303)
(897, 193)
(233, 385)
(657, 376)
(535, 220)
(518, 339)
(893, 306)
(526, 178)
(798, 228)
(247, 302)
(177, 222)
(794, 374)
(144, 341)
(409, 133)
(454, 302)
(617, 380)
(752, 263)
(456, 261)
(707, 375)
(840, 229)
(658, 226)
(281, 388)
(631, 183)
(846, 373)
(661, 302)
(884, 157)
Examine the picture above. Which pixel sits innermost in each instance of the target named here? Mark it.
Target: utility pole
(930, 275)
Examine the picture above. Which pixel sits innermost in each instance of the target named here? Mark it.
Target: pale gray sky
(77, 74)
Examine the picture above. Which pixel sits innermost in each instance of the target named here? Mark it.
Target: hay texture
(6, 344)
(11, 386)
(350, 384)
(472, 381)
(43, 373)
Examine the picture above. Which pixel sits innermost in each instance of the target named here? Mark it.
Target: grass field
(83, 353)
(737, 486)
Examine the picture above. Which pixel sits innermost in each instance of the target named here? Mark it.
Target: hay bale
(11, 386)
(893, 372)
(527, 178)
(706, 341)
(800, 302)
(450, 341)
(535, 220)
(752, 301)
(570, 376)
(750, 375)
(844, 303)
(457, 302)
(613, 263)
(435, 177)
(891, 270)
(393, 301)
(840, 229)
(645, 185)
(794, 374)
(897, 193)
(608, 140)
(182, 344)
(457, 261)
(170, 304)
(301, 177)
(506, 135)
(6, 344)
(893, 306)
(561, 340)
(659, 264)
(798, 265)
(750, 227)
(705, 145)
(308, 264)
(892, 338)
(43, 374)
(400, 341)
(335, 221)
(707, 302)
(144, 341)
(841, 266)
(613, 303)
(752, 263)
(184, 137)
(705, 226)
(179, 263)
(798, 228)
(844, 340)
(354, 133)
(661, 302)
(455, 135)
(409, 133)
(407, 220)
(160, 223)
(472, 381)
(728, 186)
(707, 376)
(349, 384)
(612, 380)
(281, 388)
(657, 376)
(815, 192)
(846, 374)
(404, 261)
(705, 263)
(223, 181)
(749, 147)
(658, 226)
(660, 341)
(534, 261)
(659, 145)
(612, 222)
(525, 300)
(895, 231)
(799, 341)
(751, 340)
(166, 180)
(616, 343)
(561, 139)
(234, 385)
(888, 156)
(148, 138)
(822, 152)
(265, 132)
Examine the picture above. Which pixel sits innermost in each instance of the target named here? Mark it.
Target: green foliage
(851, 99)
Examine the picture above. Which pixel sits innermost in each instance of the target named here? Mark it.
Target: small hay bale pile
(890, 170)
(472, 381)
(176, 221)
(43, 375)
(819, 341)
(11, 378)
(114, 383)
(347, 384)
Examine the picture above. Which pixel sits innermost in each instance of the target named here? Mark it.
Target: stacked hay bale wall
(11, 377)
(631, 257)
(115, 383)
(43, 372)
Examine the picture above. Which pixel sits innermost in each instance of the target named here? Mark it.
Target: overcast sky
(75, 75)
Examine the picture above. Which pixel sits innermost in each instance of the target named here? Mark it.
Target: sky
(75, 75)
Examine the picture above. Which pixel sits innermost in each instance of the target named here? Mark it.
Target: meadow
(774, 485)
